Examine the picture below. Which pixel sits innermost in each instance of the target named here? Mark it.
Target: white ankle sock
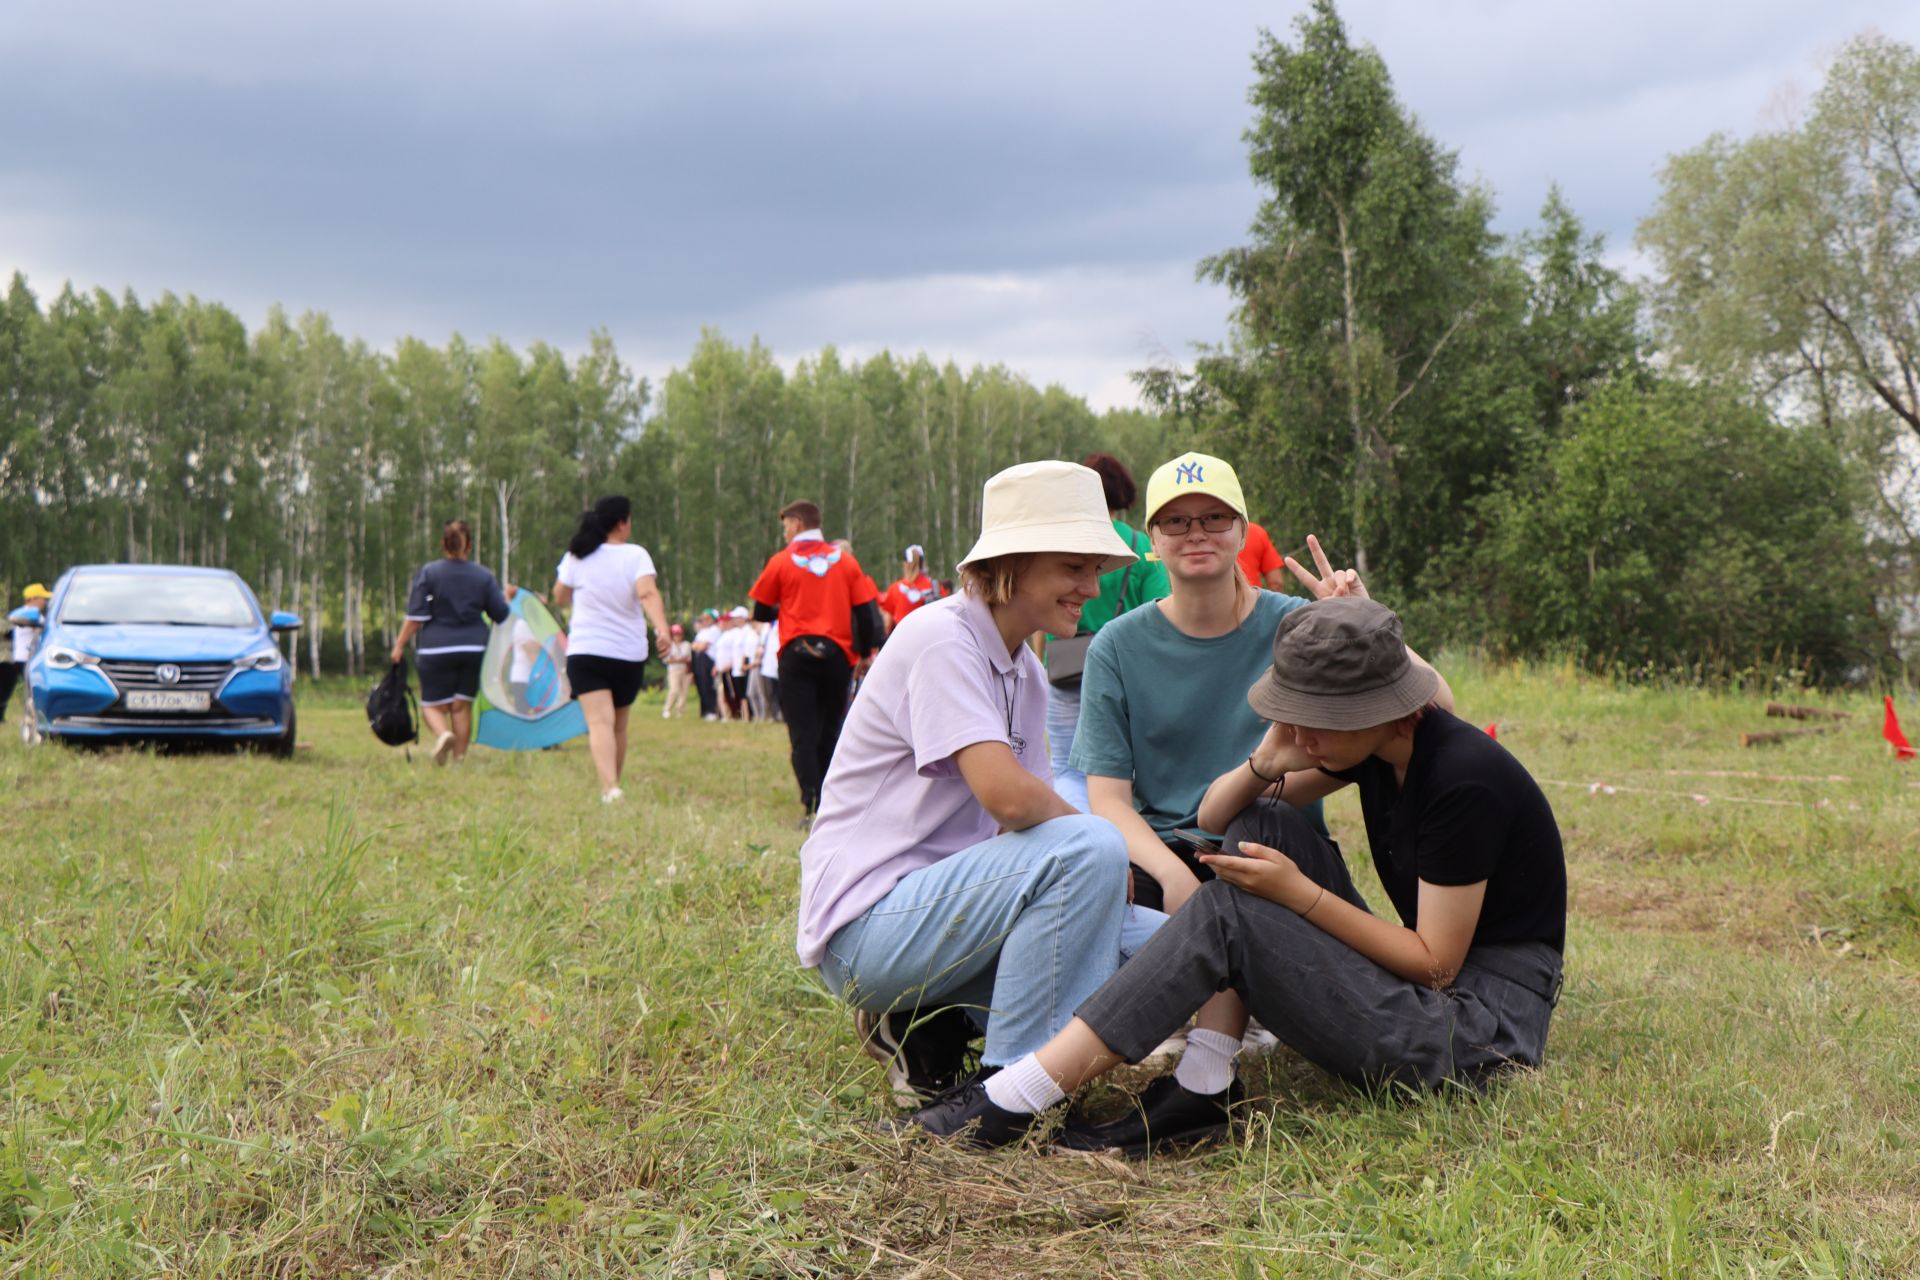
(1207, 1065)
(1023, 1086)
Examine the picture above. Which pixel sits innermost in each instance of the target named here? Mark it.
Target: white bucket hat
(1048, 506)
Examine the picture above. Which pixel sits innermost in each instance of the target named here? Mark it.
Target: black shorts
(590, 673)
(449, 677)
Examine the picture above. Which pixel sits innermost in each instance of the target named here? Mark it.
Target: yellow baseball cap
(35, 591)
(1194, 473)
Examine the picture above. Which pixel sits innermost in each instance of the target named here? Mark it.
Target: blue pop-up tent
(524, 702)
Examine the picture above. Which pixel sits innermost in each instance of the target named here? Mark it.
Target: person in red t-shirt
(823, 601)
(1260, 560)
(876, 617)
(914, 589)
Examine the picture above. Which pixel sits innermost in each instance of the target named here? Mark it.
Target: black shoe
(1166, 1114)
(926, 1052)
(969, 1117)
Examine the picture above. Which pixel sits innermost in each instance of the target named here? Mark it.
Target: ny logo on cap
(1188, 472)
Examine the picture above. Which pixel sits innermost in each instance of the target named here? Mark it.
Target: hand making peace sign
(1330, 581)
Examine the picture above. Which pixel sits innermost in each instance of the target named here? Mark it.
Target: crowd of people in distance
(732, 665)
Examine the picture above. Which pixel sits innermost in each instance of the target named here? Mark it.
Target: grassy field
(350, 1015)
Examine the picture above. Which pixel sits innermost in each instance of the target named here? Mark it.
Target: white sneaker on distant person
(611, 795)
(666, 713)
(443, 747)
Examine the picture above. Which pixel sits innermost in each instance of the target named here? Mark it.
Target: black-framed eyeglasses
(1212, 522)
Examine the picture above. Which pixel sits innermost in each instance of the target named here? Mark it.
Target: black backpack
(392, 713)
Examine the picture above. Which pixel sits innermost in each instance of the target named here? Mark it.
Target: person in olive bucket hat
(1461, 987)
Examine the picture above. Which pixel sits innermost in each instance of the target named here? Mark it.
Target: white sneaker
(665, 714)
(443, 747)
(611, 795)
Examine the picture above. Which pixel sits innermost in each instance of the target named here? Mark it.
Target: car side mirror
(26, 616)
(279, 621)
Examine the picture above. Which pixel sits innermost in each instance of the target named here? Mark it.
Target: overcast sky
(1025, 183)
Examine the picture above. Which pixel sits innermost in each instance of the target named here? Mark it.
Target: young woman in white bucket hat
(945, 884)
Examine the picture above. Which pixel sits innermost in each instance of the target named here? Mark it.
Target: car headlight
(267, 659)
(62, 658)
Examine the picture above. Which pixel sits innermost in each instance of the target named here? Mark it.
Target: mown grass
(347, 1015)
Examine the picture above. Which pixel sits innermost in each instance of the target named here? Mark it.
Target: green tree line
(322, 470)
(895, 450)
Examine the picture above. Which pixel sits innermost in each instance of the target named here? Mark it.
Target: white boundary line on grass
(1608, 789)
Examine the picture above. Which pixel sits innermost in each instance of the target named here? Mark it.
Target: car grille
(162, 720)
(140, 675)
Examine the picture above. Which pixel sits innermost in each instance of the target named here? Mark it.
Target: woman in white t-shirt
(735, 656)
(706, 639)
(609, 583)
(762, 671)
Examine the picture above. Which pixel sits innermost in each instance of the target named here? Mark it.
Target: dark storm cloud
(1013, 182)
(729, 172)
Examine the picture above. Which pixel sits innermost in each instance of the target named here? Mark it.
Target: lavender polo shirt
(894, 800)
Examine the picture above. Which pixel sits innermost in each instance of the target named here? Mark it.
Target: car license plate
(168, 700)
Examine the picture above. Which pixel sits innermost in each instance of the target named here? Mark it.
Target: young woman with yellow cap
(1163, 713)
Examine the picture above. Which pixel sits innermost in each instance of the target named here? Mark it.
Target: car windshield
(146, 599)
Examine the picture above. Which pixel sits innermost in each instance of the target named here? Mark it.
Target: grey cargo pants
(1334, 1006)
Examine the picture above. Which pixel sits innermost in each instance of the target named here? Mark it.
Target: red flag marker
(1902, 749)
(1493, 731)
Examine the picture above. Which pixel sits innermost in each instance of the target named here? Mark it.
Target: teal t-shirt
(1169, 710)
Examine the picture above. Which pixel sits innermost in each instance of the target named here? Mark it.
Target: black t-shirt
(1468, 812)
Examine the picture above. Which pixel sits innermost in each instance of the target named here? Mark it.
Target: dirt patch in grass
(1753, 915)
(920, 1204)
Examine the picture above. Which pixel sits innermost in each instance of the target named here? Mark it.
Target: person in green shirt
(1120, 591)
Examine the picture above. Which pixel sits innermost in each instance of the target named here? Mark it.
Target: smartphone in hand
(1201, 842)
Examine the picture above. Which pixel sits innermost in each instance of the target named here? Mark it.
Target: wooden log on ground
(1780, 735)
(1806, 713)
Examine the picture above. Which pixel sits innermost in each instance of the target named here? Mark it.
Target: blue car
(136, 651)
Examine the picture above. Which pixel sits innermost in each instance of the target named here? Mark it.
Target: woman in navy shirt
(447, 608)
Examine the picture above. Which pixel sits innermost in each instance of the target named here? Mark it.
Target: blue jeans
(1063, 717)
(1022, 928)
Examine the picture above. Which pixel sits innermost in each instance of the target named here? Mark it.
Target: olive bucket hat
(1341, 663)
